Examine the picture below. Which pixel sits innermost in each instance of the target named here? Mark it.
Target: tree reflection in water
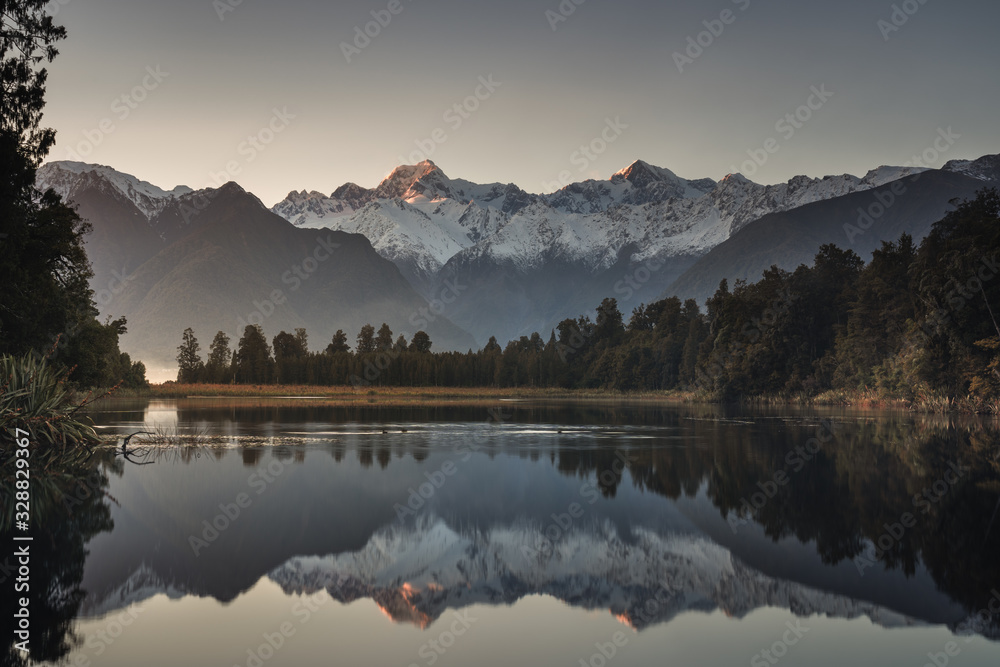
(70, 506)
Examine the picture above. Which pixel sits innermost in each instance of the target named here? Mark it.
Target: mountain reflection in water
(639, 511)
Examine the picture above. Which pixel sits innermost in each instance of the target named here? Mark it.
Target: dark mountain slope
(793, 237)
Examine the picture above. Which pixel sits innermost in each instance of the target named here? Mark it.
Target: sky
(308, 95)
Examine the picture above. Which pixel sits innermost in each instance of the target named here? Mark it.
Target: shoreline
(455, 395)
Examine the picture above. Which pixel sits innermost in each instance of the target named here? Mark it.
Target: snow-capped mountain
(305, 209)
(410, 183)
(639, 183)
(67, 177)
(420, 235)
(591, 222)
(419, 218)
(986, 168)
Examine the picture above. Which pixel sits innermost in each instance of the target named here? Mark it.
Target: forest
(916, 323)
(47, 312)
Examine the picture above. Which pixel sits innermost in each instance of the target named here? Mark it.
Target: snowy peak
(641, 174)
(420, 235)
(303, 196)
(638, 184)
(348, 190)
(408, 181)
(645, 176)
(882, 175)
(312, 209)
(66, 178)
(352, 195)
(730, 179)
(986, 168)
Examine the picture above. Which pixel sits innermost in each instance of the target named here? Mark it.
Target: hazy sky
(277, 71)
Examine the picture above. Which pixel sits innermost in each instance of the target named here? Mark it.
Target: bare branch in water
(129, 455)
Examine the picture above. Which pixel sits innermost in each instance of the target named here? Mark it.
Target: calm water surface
(282, 533)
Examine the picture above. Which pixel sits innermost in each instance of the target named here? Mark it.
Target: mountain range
(467, 261)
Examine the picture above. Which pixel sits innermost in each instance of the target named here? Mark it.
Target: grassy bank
(864, 399)
(869, 399)
(343, 392)
(352, 394)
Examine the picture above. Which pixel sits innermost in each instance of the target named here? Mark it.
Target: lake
(289, 532)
